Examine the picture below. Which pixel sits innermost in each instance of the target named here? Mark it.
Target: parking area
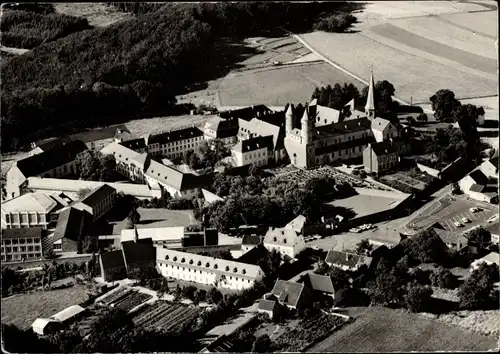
(451, 211)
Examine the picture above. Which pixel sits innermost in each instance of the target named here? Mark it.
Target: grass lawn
(279, 85)
(378, 329)
(21, 310)
(140, 127)
(153, 218)
(365, 204)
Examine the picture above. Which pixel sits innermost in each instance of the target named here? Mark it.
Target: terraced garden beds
(131, 300)
(166, 316)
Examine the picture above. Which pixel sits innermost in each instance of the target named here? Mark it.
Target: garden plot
(281, 44)
(280, 85)
(165, 316)
(411, 75)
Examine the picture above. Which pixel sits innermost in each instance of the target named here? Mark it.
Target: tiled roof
(494, 229)
(491, 257)
(382, 148)
(479, 177)
(134, 144)
(297, 224)
(33, 202)
(346, 259)
(112, 259)
(224, 128)
(281, 236)
(262, 128)
(70, 223)
(52, 143)
(267, 305)
(251, 240)
(205, 263)
(157, 234)
(246, 113)
(48, 160)
(326, 115)
(174, 135)
(321, 283)
(121, 153)
(138, 253)
(96, 195)
(449, 237)
(174, 178)
(344, 145)
(25, 232)
(351, 125)
(380, 124)
(68, 313)
(253, 144)
(288, 292)
(99, 134)
(258, 256)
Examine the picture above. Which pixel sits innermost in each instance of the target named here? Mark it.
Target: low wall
(32, 264)
(378, 193)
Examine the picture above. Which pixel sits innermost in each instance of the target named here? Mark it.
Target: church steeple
(370, 100)
(306, 128)
(289, 119)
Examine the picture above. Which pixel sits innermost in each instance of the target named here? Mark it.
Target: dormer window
(183, 260)
(216, 266)
(235, 270)
(175, 258)
(191, 261)
(227, 268)
(275, 239)
(284, 241)
(207, 264)
(199, 263)
(244, 271)
(167, 257)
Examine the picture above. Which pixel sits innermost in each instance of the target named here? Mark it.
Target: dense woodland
(136, 67)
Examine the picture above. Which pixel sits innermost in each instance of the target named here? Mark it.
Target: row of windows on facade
(340, 152)
(20, 241)
(65, 169)
(253, 155)
(184, 142)
(16, 249)
(16, 257)
(201, 272)
(28, 218)
(207, 264)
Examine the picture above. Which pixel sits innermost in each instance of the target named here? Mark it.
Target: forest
(136, 67)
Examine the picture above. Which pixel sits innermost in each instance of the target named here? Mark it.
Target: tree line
(136, 67)
(28, 29)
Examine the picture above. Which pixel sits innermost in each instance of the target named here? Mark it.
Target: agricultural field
(440, 41)
(403, 69)
(130, 300)
(279, 85)
(98, 14)
(165, 316)
(22, 309)
(401, 331)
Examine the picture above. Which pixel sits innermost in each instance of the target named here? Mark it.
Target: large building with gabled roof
(174, 143)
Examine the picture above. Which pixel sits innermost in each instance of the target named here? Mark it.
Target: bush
(335, 23)
(355, 172)
(362, 174)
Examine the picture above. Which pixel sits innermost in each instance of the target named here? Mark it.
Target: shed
(43, 326)
(68, 314)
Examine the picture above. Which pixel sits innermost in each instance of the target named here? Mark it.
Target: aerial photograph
(250, 176)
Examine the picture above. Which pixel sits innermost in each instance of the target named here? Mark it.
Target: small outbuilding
(44, 326)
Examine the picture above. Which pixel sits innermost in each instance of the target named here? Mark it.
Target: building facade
(22, 244)
(175, 143)
(380, 157)
(286, 241)
(255, 151)
(207, 270)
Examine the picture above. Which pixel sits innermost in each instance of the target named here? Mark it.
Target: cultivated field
(144, 126)
(166, 316)
(406, 71)
(21, 310)
(378, 329)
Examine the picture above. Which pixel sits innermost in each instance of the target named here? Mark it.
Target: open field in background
(140, 127)
(21, 310)
(98, 14)
(490, 105)
(279, 85)
(412, 76)
(401, 331)
(483, 23)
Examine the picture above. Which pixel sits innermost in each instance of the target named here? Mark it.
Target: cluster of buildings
(482, 183)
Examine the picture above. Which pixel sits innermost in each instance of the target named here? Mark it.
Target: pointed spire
(305, 117)
(313, 102)
(370, 100)
(289, 111)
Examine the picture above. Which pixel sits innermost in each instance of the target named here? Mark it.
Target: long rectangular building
(207, 270)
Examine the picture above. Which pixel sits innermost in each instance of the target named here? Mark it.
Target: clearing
(22, 309)
(378, 329)
(98, 14)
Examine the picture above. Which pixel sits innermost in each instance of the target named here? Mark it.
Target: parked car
(493, 218)
(457, 224)
(474, 210)
(465, 220)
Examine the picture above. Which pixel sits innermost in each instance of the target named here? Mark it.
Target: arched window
(183, 260)
(216, 266)
(275, 239)
(199, 263)
(284, 241)
(191, 261)
(175, 258)
(207, 265)
(227, 268)
(235, 270)
(244, 271)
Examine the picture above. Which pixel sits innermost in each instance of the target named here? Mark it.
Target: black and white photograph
(249, 176)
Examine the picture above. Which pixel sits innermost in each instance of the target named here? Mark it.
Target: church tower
(370, 100)
(289, 119)
(306, 128)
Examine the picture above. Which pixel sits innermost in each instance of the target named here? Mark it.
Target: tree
(199, 296)
(340, 278)
(425, 247)
(214, 296)
(262, 344)
(476, 292)
(134, 216)
(422, 118)
(364, 247)
(388, 288)
(410, 120)
(479, 237)
(418, 297)
(443, 278)
(444, 104)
